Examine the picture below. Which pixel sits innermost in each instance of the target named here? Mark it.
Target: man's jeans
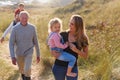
(24, 64)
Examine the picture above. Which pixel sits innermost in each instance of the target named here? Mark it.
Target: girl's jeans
(64, 56)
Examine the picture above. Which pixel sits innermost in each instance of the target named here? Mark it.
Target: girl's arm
(56, 39)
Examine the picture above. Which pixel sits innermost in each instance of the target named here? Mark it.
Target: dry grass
(102, 26)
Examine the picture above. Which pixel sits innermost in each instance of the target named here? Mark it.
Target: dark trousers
(59, 73)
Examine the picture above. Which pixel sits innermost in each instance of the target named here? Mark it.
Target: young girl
(56, 43)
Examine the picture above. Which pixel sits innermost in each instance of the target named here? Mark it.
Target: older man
(24, 38)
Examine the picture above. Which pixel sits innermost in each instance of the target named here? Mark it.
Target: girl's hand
(67, 43)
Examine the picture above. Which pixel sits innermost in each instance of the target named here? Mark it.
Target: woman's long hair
(80, 34)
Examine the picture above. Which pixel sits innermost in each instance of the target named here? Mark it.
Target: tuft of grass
(6, 71)
(5, 20)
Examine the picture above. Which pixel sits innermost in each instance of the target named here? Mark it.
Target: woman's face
(72, 26)
(17, 18)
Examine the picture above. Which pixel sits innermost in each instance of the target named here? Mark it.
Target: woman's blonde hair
(80, 34)
(52, 22)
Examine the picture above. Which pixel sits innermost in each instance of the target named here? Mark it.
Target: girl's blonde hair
(52, 22)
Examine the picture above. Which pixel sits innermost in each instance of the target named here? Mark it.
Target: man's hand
(1, 40)
(38, 59)
(14, 61)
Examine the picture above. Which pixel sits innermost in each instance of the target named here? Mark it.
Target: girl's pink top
(54, 41)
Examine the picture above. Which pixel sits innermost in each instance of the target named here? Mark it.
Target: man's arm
(11, 44)
(35, 41)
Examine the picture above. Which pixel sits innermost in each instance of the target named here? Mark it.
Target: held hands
(67, 43)
(14, 61)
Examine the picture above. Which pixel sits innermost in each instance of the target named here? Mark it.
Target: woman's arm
(8, 30)
(83, 53)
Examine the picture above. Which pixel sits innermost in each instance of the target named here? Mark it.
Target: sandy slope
(4, 55)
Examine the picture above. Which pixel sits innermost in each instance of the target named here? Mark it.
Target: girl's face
(72, 26)
(21, 7)
(55, 27)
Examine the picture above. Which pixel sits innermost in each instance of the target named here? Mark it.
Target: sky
(12, 2)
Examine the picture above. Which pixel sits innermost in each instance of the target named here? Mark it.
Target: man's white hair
(24, 12)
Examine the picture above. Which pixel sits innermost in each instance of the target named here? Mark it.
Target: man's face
(23, 19)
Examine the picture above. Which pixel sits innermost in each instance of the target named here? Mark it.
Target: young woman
(78, 40)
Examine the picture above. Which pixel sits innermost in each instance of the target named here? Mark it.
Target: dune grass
(102, 26)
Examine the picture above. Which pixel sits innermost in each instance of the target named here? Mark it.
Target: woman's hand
(83, 53)
(55, 53)
(72, 47)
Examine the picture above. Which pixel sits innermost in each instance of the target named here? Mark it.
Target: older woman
(11, 26)
(78, 45)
